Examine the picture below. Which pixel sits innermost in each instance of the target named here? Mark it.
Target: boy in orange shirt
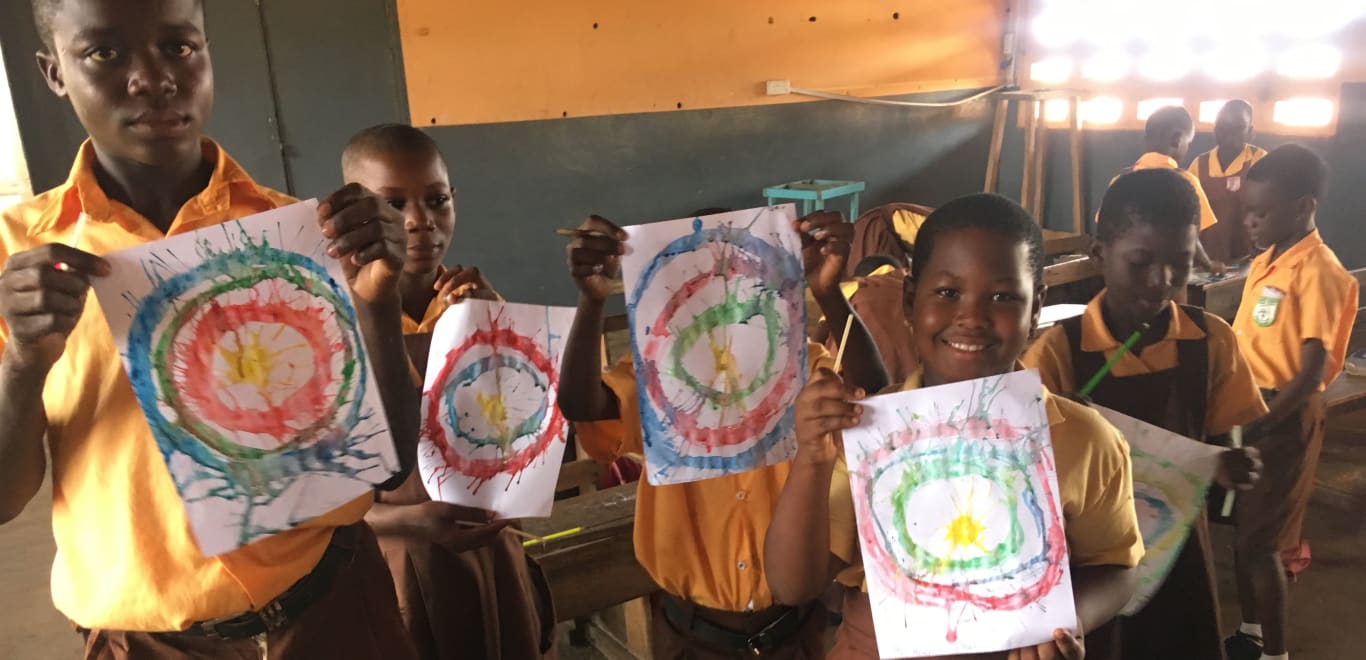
(1221, 171)
(464, 591)
(1293, 326)
(702, 542)
(128, 571)
(973, 299)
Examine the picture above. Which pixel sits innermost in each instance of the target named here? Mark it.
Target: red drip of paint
(194, 358)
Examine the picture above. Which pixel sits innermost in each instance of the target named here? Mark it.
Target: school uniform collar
(1243, 161)
(1096, 337)
(81, 192)
(917, 378)
(1153, 159)
(1292, 257)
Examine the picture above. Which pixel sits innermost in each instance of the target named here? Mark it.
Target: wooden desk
(1346, 394)
(596, 568)
(1218, 298)
(1070, 271)
(1062, 242)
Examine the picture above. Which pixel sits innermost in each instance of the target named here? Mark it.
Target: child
(875, 294)
(128, 570)
(1167, 137)
(1293, 325)
(701, 542)
(1221, 172)
(1185, 374)
(973, 297)
(464, 592)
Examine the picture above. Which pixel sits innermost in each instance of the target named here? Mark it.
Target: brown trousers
(668, 643)
(1270, 517)
(357, 619)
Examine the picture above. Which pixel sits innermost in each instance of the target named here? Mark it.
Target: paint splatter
(717, 321)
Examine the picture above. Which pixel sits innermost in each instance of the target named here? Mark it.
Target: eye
(102, 54)
(438, 201)
(397, 204)
(180, 49)
(946, 292)
(1006, 296)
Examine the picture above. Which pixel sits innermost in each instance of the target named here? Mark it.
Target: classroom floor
(1325, 604)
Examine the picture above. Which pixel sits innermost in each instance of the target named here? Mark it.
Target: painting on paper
(241, 344)
(492, 433)
(718, 329)
(959, 518)
(1171, 476)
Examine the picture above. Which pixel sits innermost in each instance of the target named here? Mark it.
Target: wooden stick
(552, 537)
(844, 341)
(81, 222)
(582, 233)
(1090, 385)
(514, 530)
(1236, 442)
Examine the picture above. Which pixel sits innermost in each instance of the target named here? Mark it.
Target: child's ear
(1098, 252)
(1306, 207)
(1040, 295)
(907, 297)
(51, 69)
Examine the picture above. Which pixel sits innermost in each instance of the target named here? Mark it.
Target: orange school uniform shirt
(126, 558)
(1233, 398)
(1095, 484)
(1154, 160)
(1304, 294)
(701, 541)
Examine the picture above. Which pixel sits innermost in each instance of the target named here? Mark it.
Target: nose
(972, 312)
(416, 218)
(1161, 277)
(149, 75)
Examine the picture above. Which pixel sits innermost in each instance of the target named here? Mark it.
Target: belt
(289, 605)
(684, 617)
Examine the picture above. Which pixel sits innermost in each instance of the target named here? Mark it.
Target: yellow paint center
(250, 363)
(723, 361)
(965, 531)
(495, 411)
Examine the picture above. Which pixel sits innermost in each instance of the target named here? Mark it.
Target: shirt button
(740, 495)
(741, 565)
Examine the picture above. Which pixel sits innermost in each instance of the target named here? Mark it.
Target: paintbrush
(1235, 438)
(844, 341)
(1090, 385)
(76, 234)
(583, 233)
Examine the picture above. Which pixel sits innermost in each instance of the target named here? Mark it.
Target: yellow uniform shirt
(126, 558)
(1154, 160)
(428, 321)
(1245, 159)
(1305, 294)
(1233, 398)
(1095, 484)
(702, 541)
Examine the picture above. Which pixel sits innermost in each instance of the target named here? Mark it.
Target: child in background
(1221, 171)
(1167, 137)
(702, 542)
(973, 298)
(1293, 326)
(1185, 374)
(464, 592)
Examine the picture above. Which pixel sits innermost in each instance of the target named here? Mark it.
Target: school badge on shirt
(1268, 304)
(1233, 183)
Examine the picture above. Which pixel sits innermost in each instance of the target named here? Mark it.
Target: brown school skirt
(490, 602)
(356, 618)
(668, 643)
(1270, 517)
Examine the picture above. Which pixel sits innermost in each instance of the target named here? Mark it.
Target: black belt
(289, 605)
(684, 617)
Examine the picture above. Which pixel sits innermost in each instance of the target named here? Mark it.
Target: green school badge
(1264, 314)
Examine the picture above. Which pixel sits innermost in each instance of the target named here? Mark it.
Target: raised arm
(594, 261)
(825, 251)
(40, 304)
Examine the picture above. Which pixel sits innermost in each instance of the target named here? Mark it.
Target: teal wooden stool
(813, 194)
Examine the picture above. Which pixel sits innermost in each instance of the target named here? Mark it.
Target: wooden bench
(1347, 394)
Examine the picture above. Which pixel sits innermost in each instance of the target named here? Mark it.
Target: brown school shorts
(1271, 516)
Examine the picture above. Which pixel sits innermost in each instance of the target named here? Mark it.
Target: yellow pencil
(552, 537)
(839, 356)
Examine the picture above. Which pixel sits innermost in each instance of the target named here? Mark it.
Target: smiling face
(418, 186)
(1144, 267)
(974, 307)
(137, 73)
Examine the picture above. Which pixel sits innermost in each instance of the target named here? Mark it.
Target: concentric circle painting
(718, 319)
(240, 343)
(493, 436)
(959, 518)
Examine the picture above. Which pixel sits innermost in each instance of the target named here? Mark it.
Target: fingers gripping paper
(959, 519)
(718, 329)
(492, 433)
(241, 344)
(1171, 475)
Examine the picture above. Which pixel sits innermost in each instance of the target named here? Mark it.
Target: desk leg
(853, 207)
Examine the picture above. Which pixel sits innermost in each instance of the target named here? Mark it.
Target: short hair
(388, 138)
(1296, 171)
(1167, 120)
(985, 211)
(44, 10)
(1236, 104)
(1159, 197)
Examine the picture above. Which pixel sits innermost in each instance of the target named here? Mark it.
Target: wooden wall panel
(476, 62)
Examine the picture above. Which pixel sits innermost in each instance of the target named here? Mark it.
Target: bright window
(14, 183)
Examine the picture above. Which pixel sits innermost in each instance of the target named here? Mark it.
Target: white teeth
(967, 348)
